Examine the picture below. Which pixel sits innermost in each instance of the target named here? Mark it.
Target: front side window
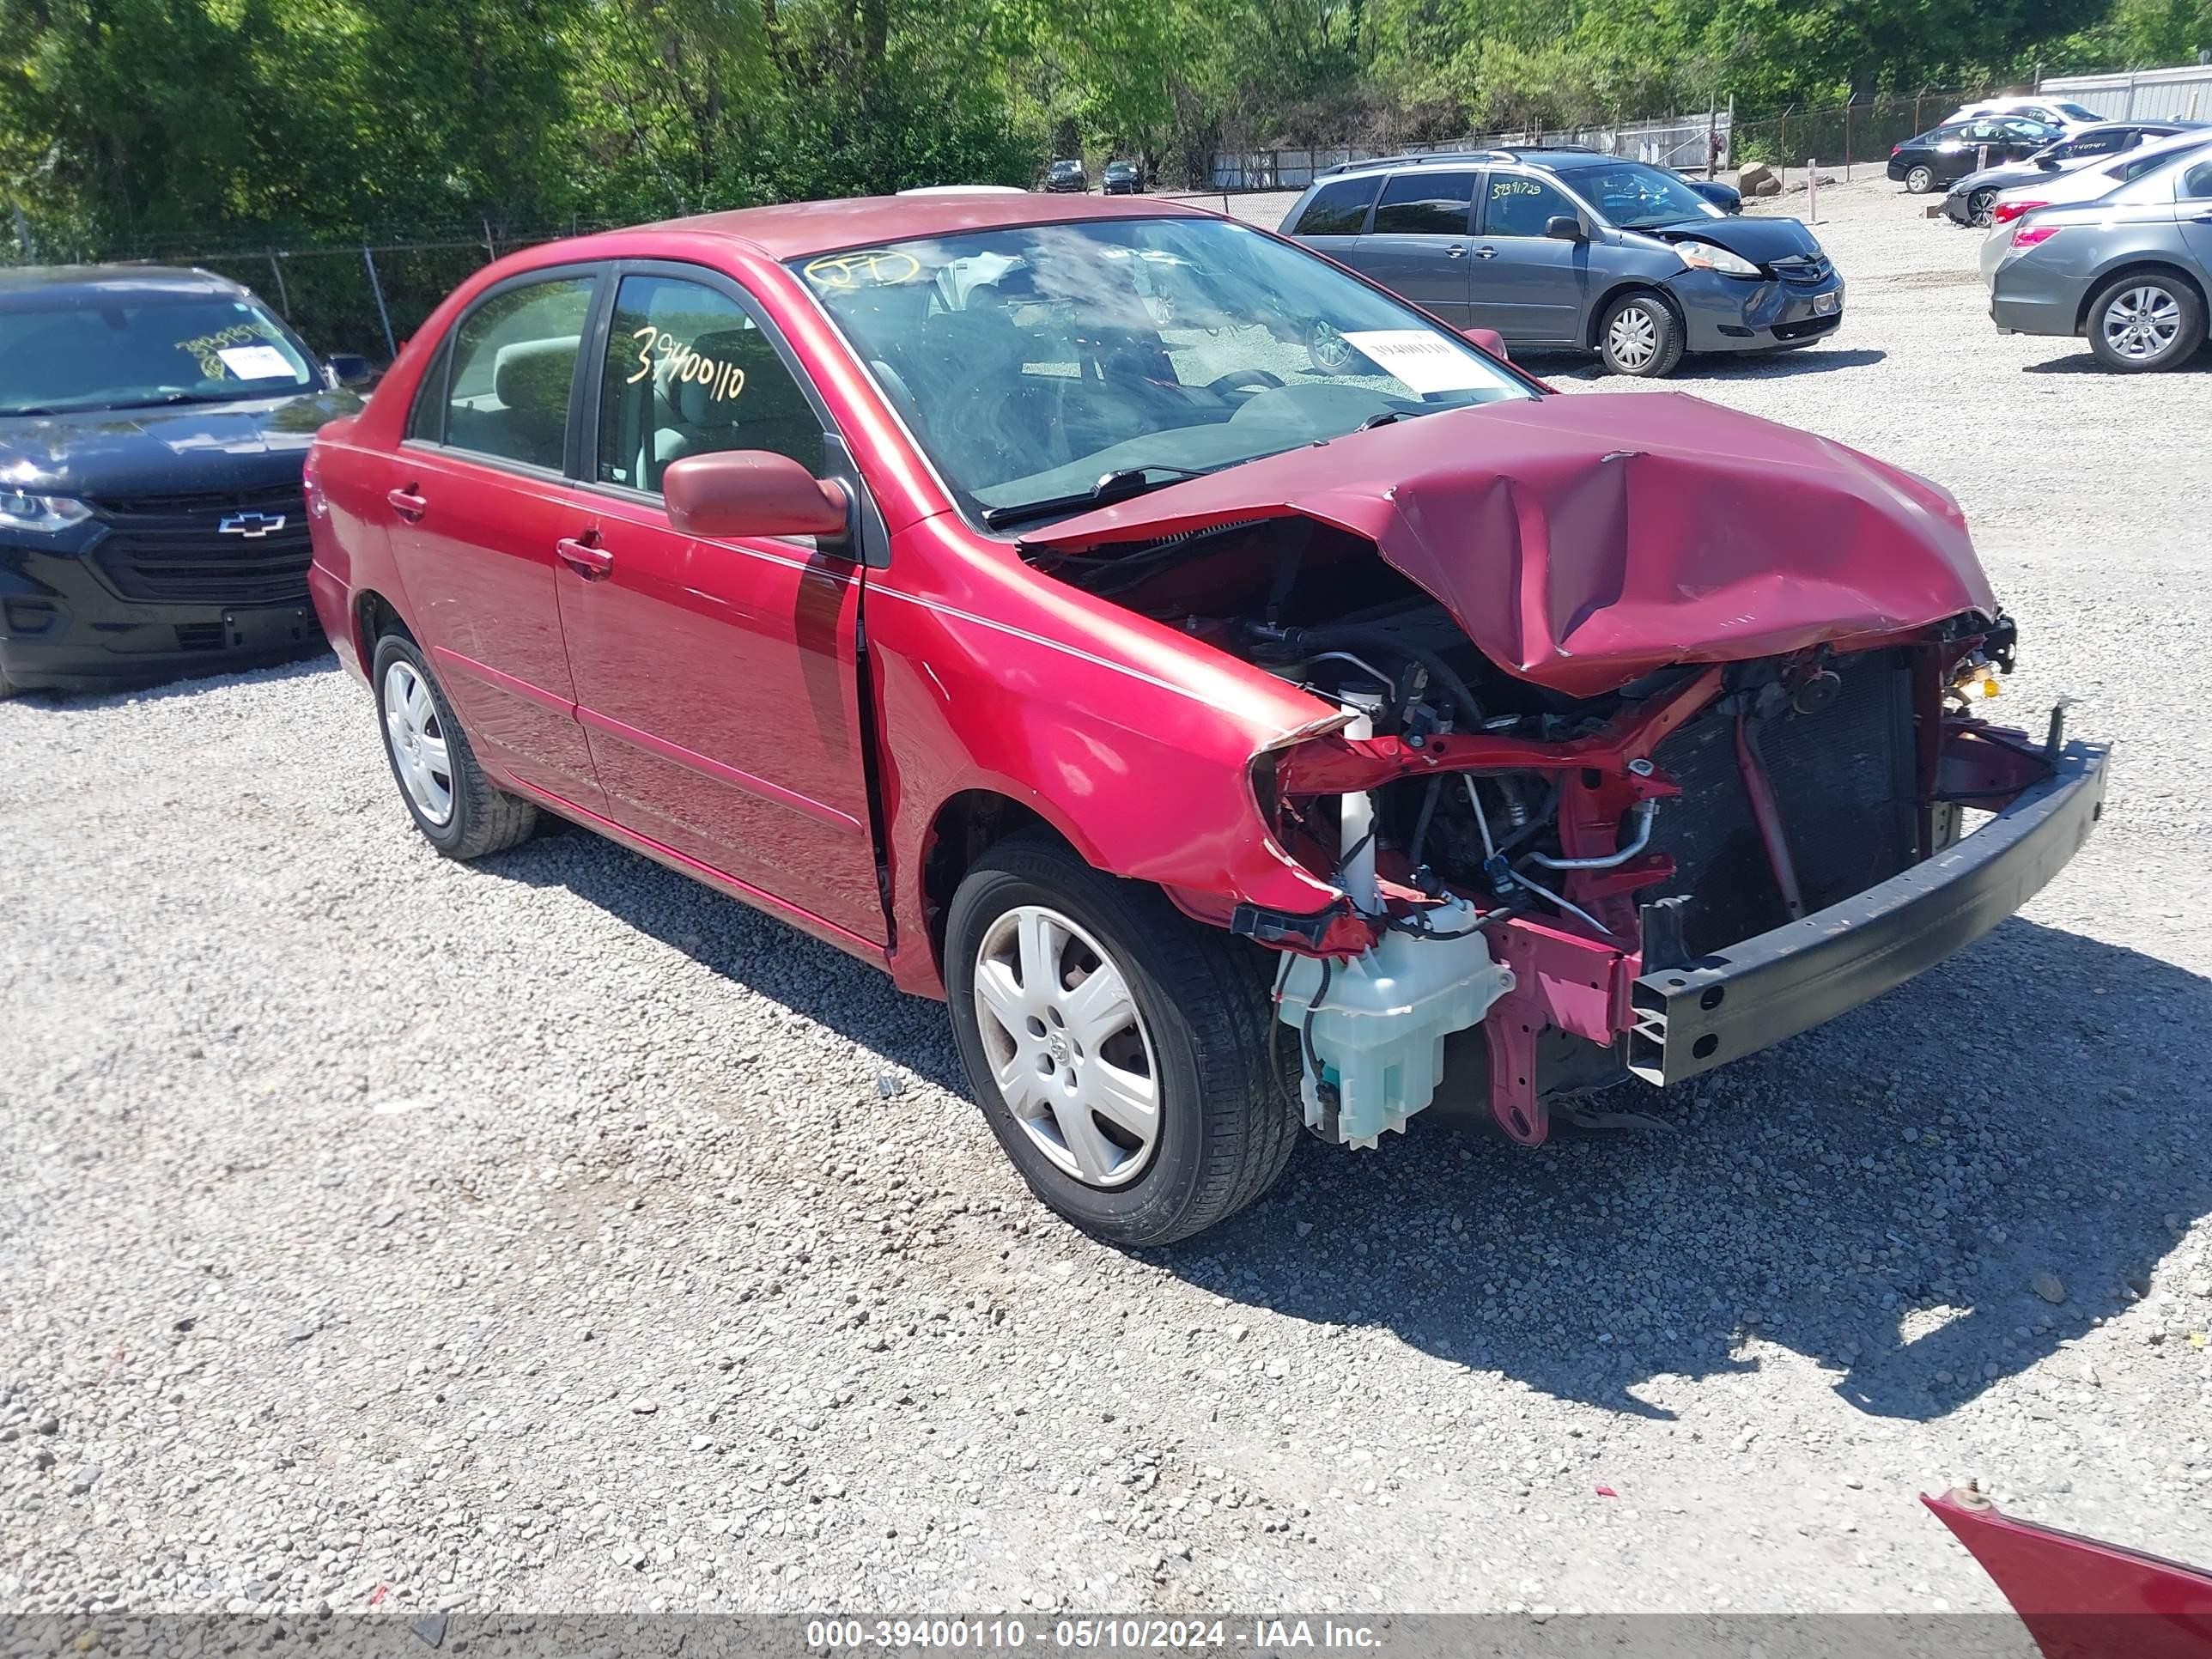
(2195, 183)
(1033, 361)
(121, 346)
(1636, 197)
(1425, 204)
(1517, 205)
(1338, 208)
(513, 366)
(688, 373)
(2089, 143)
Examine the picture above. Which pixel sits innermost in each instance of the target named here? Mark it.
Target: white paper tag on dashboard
(1424, 360)
(262, 362)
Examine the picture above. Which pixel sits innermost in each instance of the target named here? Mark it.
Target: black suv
(1066, 175)
(153, 425)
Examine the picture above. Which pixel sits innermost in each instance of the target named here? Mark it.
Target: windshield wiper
(1116, 486)
(1385, 417)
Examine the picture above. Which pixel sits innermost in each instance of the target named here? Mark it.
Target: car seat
(731, 392)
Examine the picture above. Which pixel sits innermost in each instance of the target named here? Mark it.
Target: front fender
(1134, 744)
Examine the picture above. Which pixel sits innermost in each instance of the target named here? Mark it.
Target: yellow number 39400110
(685, 364)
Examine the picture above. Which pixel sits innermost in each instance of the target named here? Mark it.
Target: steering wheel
(1246, 380)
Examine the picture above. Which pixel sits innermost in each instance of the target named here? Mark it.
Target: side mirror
(752, 492)
(347, 369)
(1489, 339)
(1565, 227)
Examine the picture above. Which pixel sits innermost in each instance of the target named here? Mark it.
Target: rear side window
(426, 422)
(513, 366)
(1516, 205)
(1337, 209)
(1425, 204)
(688, 373)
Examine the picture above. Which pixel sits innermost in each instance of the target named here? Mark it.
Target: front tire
(1641, 336)
(459, 809)
(1981, 207)
(1330, 353)
(1121, 1052)
(1918, 181)
(2146, 322)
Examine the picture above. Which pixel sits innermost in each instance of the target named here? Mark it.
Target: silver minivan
(1567, 249)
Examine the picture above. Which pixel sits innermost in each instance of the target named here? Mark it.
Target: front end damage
(1638, 747)
(1745, 852)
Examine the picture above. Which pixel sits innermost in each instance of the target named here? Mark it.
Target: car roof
(49, 282)
(799, 228)
(1536, 155)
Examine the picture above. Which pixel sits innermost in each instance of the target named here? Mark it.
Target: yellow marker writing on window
(685, 365)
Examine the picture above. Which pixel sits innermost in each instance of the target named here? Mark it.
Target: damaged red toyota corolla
(993, 586)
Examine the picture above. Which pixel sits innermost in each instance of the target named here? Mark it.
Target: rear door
(718, 681)
(2193, 209)
(478, 495)
(1417, 243)
(1531, 287)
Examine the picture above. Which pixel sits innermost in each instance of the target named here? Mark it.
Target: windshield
(1034, 361)
(1634, 197)
(130, 347)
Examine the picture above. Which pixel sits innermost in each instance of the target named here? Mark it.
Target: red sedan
(993, 587)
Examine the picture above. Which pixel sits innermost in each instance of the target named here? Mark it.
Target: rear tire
(459, 809)
(1330, 353)
(8, 687)
(1641, 336)
(2148, 321)
(1190, 1029)
(1918, 181)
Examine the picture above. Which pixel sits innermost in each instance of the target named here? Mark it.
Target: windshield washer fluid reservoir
(1379, 1030)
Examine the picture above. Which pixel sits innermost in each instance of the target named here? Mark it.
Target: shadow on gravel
(1885, 1195)
(321, 661)
(742, 945)
(2082, 360)
(1747, 366)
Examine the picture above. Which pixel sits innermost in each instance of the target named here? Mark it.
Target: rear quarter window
(1338, 208)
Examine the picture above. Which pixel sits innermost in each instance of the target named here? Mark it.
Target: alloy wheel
(2141, 323)
(1981, 207)
(1068, 1049)
(419, 742)
(1633, 338)
(1331, 352)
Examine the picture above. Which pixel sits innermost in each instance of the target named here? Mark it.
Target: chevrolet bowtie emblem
(250, 524)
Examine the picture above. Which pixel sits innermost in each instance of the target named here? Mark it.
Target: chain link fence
(1848, 137)
(360, 297)
(1669, 140)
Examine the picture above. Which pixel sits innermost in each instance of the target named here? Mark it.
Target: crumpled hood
(1762, 240)
(1585, 541)
(209, 446)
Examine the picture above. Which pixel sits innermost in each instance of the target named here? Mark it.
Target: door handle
(2201, 219)
(1457, 250)
(587, 561)
(1485, 253)
(405, 503)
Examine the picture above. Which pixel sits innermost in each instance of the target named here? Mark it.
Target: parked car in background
(2129, 270)
(1122, 178)
(1972, 198)
(1219, 739)
(2086, 184)
(1066, 174)
(152, 426)
(1944, 154)
(1726, 197)
(2062, 113)
(1569, 249)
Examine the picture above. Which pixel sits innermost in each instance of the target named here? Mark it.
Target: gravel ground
(552, 1234)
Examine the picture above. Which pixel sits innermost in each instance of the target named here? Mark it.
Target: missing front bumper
(1749, 996)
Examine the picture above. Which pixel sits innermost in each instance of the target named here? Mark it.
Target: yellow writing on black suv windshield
(656, 346)
(207, 348)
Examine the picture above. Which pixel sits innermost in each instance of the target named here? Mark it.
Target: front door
(1417, 245)
(717, 681)
(478, 500)
(1529, 287)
